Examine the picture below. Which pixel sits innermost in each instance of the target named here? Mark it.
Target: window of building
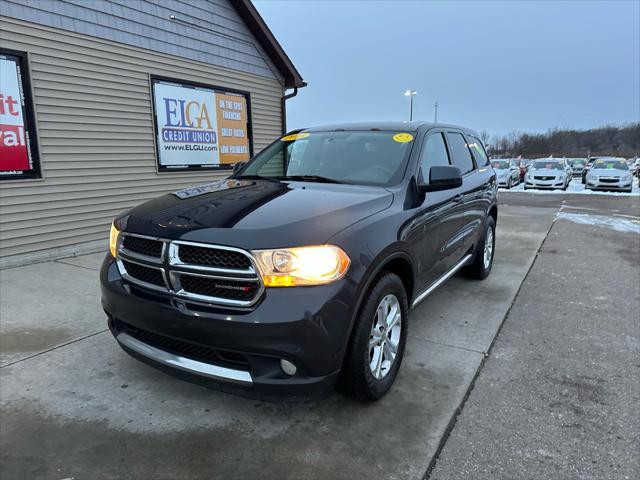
(18, 144)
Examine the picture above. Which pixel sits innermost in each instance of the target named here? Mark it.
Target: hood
(501, 171)
(608, 172)
(257, 213)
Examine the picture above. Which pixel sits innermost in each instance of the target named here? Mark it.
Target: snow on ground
(575, 187)
(613, 222)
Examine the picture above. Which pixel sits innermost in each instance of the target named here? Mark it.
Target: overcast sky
(497, 66)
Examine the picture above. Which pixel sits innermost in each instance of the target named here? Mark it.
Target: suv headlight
(113, 240)
(299, 266)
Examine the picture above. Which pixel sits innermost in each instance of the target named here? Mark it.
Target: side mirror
(238, 166)
(441, 178)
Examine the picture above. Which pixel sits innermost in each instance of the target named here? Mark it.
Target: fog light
(288, 367)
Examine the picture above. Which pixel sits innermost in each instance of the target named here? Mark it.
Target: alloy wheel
(385, 336)
(488, 248)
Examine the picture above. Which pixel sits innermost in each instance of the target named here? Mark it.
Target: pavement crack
(448, 345)
(54, 348)
(74, 265)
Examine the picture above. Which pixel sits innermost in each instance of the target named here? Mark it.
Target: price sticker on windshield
(294, 136)
(403, 137)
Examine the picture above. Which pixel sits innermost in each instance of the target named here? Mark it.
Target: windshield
(357, 157)
(500, 164)
(547, 165)
(611, 165)
(578, 163)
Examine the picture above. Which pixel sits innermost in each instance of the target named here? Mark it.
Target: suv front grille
(198, 272)
(214, 287)
(144, 274)
(184, 348)
(143, 246)
(213, 257)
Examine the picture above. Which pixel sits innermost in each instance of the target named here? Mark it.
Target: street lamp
(410, 94)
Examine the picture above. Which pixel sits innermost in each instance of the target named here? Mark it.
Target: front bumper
(544, 184)
(236, 349)
(623, 185)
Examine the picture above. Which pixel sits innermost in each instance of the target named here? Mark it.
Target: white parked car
(549, 173)
(610, 174)
(507, 171)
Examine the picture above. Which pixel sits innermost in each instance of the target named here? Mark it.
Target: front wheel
(378, 340)
(483, 261)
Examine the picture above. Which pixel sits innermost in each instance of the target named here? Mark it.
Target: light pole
(410, 94)
(435, 112)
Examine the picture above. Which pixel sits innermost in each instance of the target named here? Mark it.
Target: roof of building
(259, 28)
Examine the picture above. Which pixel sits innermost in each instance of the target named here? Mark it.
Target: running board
(442, 279)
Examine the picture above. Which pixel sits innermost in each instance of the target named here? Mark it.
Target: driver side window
(434, 152)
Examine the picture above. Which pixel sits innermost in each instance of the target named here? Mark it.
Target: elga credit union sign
(18, 149)
(199, 127)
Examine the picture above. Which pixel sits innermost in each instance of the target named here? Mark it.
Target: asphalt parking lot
(74, 405)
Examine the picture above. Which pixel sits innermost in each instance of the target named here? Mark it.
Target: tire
(509, 185)
(358, 377)
(479, 269)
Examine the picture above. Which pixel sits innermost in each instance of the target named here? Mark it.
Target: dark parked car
(300, 269)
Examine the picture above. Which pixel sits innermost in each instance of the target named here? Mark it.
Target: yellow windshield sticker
(295, 136)
(403, 137)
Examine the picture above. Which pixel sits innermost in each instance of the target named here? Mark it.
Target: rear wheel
(378, 340)
(509, 184)
(483, 261)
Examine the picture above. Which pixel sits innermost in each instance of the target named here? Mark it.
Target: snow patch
(614, 223)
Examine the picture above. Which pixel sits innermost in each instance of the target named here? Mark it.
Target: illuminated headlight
(300, 266)
(113, 240)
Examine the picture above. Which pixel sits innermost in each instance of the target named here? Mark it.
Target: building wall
(93, 114)
(209, 31)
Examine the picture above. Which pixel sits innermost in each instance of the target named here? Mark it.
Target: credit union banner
(199, 127)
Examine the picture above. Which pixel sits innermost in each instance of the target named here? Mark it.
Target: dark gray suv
(299, 270)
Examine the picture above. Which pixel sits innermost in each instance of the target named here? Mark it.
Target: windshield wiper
(311, 178)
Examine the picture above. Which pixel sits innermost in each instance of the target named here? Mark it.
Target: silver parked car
(610, 174)
(549, 173)
(577, 165)
(507, 171)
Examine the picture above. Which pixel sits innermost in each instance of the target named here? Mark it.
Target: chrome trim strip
(185, 364)
(174, 258)
(441, 280)
(174, 277)
(135, 281)
(129, 253)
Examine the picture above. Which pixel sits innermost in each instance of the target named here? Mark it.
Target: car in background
(586, 168)
(609, 174)
(577, 165)
(507, 171)
(549, 173)
(523, 169)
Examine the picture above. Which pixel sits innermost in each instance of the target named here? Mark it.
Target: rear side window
(479, 152)
(460, 152)
(434, 152)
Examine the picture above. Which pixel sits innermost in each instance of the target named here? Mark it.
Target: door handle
(457, 198)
